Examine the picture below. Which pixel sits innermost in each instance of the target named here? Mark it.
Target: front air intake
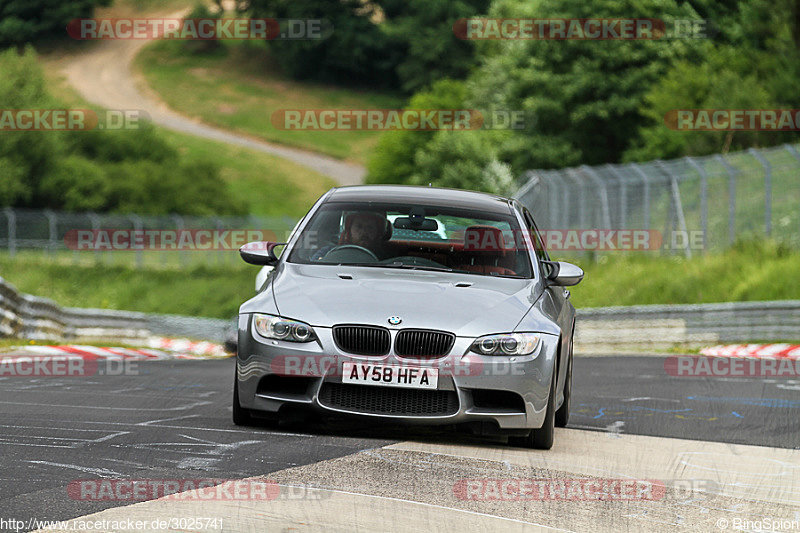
(362, 340)
(423, 343)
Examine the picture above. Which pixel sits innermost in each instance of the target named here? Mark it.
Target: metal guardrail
(29, 317)
(664, 326)
(598, 329)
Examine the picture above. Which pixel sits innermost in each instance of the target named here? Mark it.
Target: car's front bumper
(468, 382)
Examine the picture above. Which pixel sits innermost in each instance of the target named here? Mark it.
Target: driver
(365, 229)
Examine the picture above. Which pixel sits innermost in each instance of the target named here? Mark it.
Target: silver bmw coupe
(412, 304)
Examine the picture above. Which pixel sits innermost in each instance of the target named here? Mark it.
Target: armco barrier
(30, 317)
(663, 326)
(602, 329)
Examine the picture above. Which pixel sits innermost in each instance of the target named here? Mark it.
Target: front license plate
(390, 376)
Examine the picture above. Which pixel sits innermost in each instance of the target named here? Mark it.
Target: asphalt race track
(172, 421)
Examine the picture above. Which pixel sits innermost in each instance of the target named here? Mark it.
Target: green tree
(392, 161)
(462, 160)
(25, 156)
(709, 85)
(24, 21)
(585, 95)
(431, 50)
(203, 11)
(754, 63)
(356, 51)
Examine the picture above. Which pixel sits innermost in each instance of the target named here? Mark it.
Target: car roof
(477, 201)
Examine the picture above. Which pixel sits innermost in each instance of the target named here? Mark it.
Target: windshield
(414, 237)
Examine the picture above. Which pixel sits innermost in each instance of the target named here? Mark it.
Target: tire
(241, 416)
(542, 439)
(562, 415)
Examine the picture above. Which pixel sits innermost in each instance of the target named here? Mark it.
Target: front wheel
(542, 438)
(562, 415)
(241, 416)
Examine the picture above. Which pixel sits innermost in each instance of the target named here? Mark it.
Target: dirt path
(104, 76)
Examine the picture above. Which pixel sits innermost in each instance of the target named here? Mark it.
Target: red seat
(487, 251)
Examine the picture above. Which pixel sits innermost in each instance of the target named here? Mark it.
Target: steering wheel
(355, 248)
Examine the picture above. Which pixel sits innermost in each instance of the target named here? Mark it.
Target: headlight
(506, 344)
(275, 327)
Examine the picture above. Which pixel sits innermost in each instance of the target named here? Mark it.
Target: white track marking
(102, 472)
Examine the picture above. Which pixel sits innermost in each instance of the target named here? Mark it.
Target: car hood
(467, 305)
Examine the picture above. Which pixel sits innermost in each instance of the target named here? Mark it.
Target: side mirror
(563, 274)
(260, 253)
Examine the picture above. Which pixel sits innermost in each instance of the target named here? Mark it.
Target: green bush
(76, 184)
(149, 188)
(110, 146)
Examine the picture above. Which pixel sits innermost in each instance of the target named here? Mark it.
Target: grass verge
(238, 88)
(747, 272)
(194, 291)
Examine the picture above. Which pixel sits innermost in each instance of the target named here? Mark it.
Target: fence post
(179, 226)
(51, 226)
(531, 180)
(219, 225)
(603, 193)
(12, 231)
(731, 197)
(580, 205)
(94, 220)
(558, 179)
(767, 190)
(792, 150)
(703, 198)
(535, 181)
(623, 196)
(676, 198)
(552, 204)
(646, 180)
(137, 228)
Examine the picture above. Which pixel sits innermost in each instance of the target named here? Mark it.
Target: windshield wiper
(418, 267)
